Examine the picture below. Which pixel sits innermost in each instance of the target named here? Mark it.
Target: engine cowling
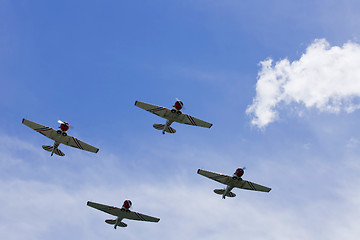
(127, 204)
(239, 172)
(64, 127)
(178, 105)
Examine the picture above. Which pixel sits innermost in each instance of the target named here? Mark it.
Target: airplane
(173, 115)
(122, 213)
(59, 136)
(231, 182)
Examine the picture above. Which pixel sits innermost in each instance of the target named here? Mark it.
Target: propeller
(61, 122)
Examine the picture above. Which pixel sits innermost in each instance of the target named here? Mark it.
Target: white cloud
(325, 78)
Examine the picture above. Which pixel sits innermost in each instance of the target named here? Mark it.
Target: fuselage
(125, 207)
(61, 133)
(175, 114)
(227, 190)
(231, 182)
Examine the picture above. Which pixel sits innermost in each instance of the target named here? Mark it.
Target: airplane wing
(52, 134)
(76, 143)
(46, 131)
(140, 217)
(157, 110)
(121, 213)
(221, 178)
(251, 186)
(187, 119)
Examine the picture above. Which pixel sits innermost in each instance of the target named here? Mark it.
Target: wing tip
(97, 150)
(88, 203)
(198, 171)
(136, 102)
(23, 120)
(210, 125)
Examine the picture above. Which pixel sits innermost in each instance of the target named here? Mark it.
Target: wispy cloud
(41, 207)
(325, 78)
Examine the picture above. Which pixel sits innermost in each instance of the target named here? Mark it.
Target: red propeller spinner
(239, 172)
(64, 126)
(127, 204)
(178, 105)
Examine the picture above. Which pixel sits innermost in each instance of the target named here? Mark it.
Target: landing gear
(178, 112)
(61, 132)
(173, 110)
(237, 178)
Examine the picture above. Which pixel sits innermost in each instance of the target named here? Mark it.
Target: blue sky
(292, 122)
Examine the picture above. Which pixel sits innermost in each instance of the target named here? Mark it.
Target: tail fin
(112, 222)
(50, 149)
(221, 191)
(161, 127)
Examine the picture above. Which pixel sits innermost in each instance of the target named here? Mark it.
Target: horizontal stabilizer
(231, 194)
(161, 127)
(221, 191)
(112, 222)
(50, 149)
